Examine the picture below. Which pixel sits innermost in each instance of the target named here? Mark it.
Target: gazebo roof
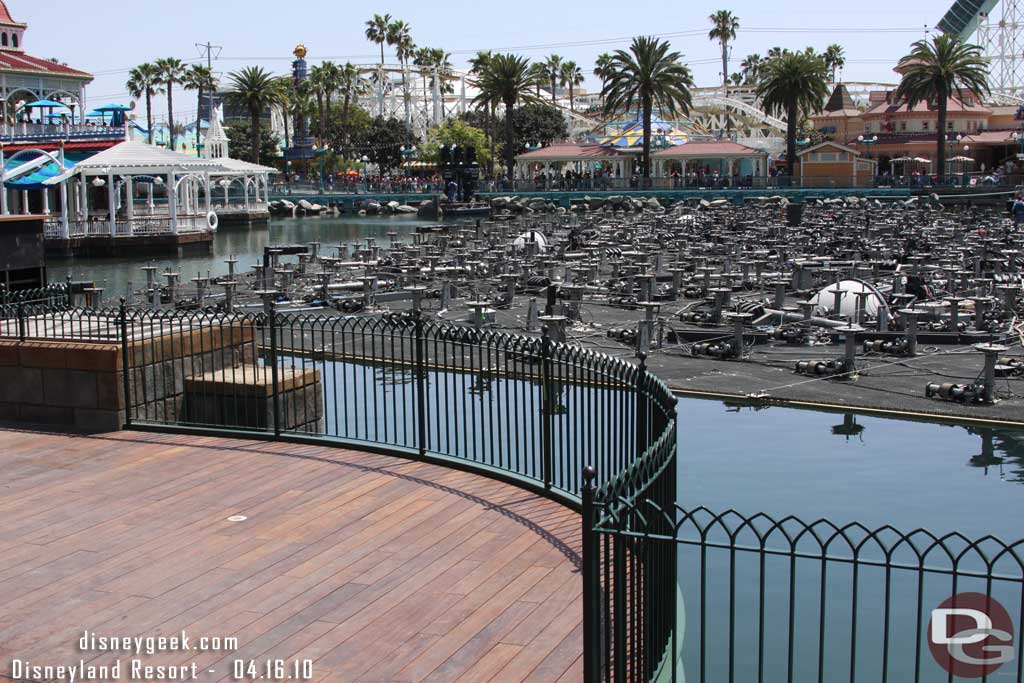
(632, 134)
(571, 152)
(708, 150)
(239, 166)
(138, 157)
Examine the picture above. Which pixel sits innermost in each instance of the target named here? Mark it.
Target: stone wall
(62, 384)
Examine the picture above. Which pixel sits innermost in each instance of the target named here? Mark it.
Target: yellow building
(830, 164)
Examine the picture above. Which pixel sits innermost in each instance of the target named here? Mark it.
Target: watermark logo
(971, 635)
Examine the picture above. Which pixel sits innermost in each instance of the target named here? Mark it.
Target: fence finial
(589, 474)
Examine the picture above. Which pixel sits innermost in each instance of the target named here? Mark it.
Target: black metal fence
(768, 600)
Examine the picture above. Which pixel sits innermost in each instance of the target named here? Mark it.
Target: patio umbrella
(116, 113)
(45, 104)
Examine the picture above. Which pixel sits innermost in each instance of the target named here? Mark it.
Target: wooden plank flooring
(375, 568)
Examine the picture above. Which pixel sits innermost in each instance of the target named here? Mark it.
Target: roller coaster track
(718, 102)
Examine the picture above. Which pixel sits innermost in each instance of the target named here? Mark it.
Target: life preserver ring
(212, 220)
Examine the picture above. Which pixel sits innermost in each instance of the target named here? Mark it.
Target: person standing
(1018, 211)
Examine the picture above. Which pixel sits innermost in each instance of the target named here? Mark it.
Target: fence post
(546, 409)
(125, 368)
(591, 583)
(275, 399)
(420, 373)
(642, 408)
(21, 321)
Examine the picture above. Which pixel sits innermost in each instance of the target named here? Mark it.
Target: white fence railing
(138, 226)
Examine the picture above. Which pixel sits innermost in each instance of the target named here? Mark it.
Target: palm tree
(835, 58)
(144, 81)
(478, 65)
(201, 79)
(254, 88)
(171, 69)
(506, 78)
(602, 67)
(401, 37)
(793, 84)
(648, 76)
(377, 32)
(317, 83)
(538, 76)
(751, 68)
(571, 76)
(724, 30)
(553, 68)
(934, 71)
(351, 84)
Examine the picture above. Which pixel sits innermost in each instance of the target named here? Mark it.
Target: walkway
(377, 569)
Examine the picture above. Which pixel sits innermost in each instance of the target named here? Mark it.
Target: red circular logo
(971, 635)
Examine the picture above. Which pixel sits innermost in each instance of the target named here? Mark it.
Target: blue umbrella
(44, 104)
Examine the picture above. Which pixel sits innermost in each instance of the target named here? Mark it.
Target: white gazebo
(123, 170)
(253, 179)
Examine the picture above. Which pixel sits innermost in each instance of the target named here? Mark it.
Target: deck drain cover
(237, 518)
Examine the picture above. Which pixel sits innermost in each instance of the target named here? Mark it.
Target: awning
(45, 104)
(35, 178)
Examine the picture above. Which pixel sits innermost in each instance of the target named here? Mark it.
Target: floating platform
(181, 244)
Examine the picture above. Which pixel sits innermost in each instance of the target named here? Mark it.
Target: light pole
(366, 177)
(867, 142)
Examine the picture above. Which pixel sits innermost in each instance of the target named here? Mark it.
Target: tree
(724, 26)
(538, 76)
(382, 142)
(401, 37)
(255, 89)
(751, 69)
(648, 76)
(456, 132)
(201, 79)
(934, 71)
(477, 66)
(506, 79)
(352, 85)
(835, 59)
(145, 81)
(240, 140)
(553, 71)
(793, 84)
(603, 67)
(377, 32)
(171, 69)
(571, 76)
(538, 123)
(317, 83)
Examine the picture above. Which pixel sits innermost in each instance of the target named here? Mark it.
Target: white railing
(59, 130)
(136, 227)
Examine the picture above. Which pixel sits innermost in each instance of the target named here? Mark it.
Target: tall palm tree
(351, 84)
(377, 32)
(506, 78)
(171, 69)
(400, 36)
(478, 65)
(145, 81)
(793, 84)
(538, 76)
(553, 70)
(751, 68)
(649, 75)
(317, 82)
(254, 88)
(934, 71)
(724, 26)
(602, 67)
(835, 58)
(201, 79)
(571, 76)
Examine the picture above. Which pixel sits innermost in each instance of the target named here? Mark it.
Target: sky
(106, 39)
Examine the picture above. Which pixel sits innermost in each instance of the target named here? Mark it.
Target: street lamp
(366, 178)
(867, 142)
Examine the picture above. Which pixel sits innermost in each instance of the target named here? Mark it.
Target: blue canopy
(113, 107)
(45, 104)
(34, 179)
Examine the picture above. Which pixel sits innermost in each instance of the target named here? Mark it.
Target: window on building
(924, 125)
(3, 39)
(14, 40)
(903, 126)
(949, 126)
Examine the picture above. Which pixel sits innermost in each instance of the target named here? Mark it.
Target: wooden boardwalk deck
(377, 569)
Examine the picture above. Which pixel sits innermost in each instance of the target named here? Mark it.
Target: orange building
(830, 164)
